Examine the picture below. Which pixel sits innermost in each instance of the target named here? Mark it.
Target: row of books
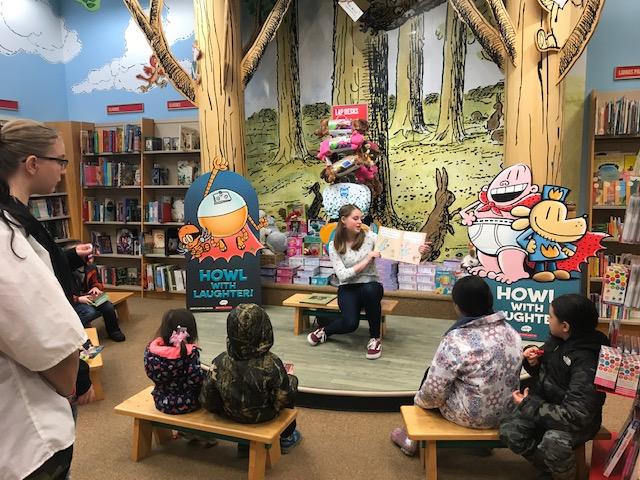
(165, 278)
(167, 209)
(58, 229)
(43, 208)
(619, 117)
(599, 264)
(106, 173)
(132, 242)
(110, 210)
(116, 276)
(609, 310)
(125, 139)
(616, 192)
(613, 227)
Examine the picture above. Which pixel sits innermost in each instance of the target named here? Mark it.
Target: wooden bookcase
(598, 212)
(145, 191)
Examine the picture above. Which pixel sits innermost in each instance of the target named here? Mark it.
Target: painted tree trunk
(533, 103)
(291, 139)
(219, 95)
(361, 76)
(451, 118)
(408, 115)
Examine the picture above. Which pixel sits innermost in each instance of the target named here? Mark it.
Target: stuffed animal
(271, 236)
(347, 143)
(341, 126)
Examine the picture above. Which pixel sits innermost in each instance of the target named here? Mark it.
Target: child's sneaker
(317, 336)
(287, 443)
(374, 348)
(407, 446)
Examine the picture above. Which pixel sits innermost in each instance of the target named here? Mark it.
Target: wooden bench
(331, 309)
(431, 430)
(119, 300)
(263, 438)
(95, 365)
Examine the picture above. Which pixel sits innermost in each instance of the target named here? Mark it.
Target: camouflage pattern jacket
(563, 396)
(248, 383)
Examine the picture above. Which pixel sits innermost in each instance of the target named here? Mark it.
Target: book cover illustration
(400, 245)
(125, 242)
(318, 298)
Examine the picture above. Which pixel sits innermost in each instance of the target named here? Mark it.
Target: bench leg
(162, 435)
(306, 323)
(274, 453)
(142, 431)
(96, 381)
(298, 321)
(123, 312)
(581, 462)
(431, 461)
(257, 460)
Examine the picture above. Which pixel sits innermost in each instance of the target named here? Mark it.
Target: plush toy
(470, 260)
(271, 236)
(341, 126)
(347, 143)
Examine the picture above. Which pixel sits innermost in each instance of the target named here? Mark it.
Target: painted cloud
(48, 37)
(120, 73)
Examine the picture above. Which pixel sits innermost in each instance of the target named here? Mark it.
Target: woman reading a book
(40, 332)
(352, 255)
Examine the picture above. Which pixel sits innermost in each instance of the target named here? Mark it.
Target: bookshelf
(139, 190)
(614, 132)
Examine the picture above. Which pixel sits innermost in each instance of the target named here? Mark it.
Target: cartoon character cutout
(549, 236)
(223, 217)
(154, 75)
(490, 218)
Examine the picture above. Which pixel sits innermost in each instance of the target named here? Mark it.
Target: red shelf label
(180, 105)
(125, 108)
(360, 111)
(626, 72)
(9, 105)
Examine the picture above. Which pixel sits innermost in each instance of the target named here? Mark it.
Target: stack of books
(388, 273)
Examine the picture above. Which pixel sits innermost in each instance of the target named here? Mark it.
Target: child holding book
(562, 409)
(475, 368)
(248, 383)
(172, 361)
(87, 288)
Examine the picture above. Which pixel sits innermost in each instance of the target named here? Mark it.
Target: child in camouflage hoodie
(248, 383)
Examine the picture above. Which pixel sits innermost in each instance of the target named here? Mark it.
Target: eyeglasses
(62, 161)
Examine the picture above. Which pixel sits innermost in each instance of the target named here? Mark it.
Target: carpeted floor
(336, 445)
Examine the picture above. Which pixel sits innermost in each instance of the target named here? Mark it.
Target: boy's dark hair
(179, 317)
(578, 311)
(473, 296)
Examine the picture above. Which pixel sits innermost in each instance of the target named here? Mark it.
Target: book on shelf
(167, 209)
(58, 229)
(187, 172)
(109, 210)
(618, 117)
(158, 240)
(318, 298)
(172, 242)
(101, 241)
(125, 139)
(189, 138)
(117, 276)
(128, 242)
(165, 278)
(43, 208)
(105, 172)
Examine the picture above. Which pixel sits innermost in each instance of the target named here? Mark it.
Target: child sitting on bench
(172, 361)
(475, 368)
(248, 383)
(562, 410)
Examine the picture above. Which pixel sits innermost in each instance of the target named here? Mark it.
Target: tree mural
(224, 71)
(533, 89)
(291, 140)
(450, 118)
(408, 115)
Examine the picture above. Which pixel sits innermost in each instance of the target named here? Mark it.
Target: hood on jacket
(249, 332)
(170, 352)
(465, 322)
(591, 341)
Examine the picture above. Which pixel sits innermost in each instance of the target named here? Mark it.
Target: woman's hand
(518, 396)
(373, 254)
(84, 250)
(86, 299)
(425, 248)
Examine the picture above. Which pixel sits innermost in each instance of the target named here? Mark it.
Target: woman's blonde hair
(340, 237)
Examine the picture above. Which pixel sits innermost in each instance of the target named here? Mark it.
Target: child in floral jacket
(476, 366)
(172, 361)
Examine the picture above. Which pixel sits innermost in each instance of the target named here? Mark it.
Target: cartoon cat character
(490, 219)
(549, 236)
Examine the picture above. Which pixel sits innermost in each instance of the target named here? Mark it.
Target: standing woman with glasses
(40, 332)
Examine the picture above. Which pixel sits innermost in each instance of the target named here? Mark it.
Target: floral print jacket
(474, 371)
(177, 379)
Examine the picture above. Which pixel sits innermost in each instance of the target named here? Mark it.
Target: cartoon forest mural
(440, 132)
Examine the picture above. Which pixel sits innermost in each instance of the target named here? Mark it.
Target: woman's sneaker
(374, 348)
(287, 443)
(316, 337)
(407, 446)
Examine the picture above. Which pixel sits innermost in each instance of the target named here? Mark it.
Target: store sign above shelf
(180, 105)
(626, 72)
(9, 105)
(125, 108)
(359, 111)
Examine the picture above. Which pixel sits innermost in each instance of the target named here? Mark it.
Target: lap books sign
(400, 245)
(220, 241)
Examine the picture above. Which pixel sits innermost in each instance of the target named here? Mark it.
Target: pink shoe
(374, 348)
(407, 446)
(316, 337)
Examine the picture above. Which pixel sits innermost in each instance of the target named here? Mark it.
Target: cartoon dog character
(193, 241)
(490, 219)
(549, 235)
